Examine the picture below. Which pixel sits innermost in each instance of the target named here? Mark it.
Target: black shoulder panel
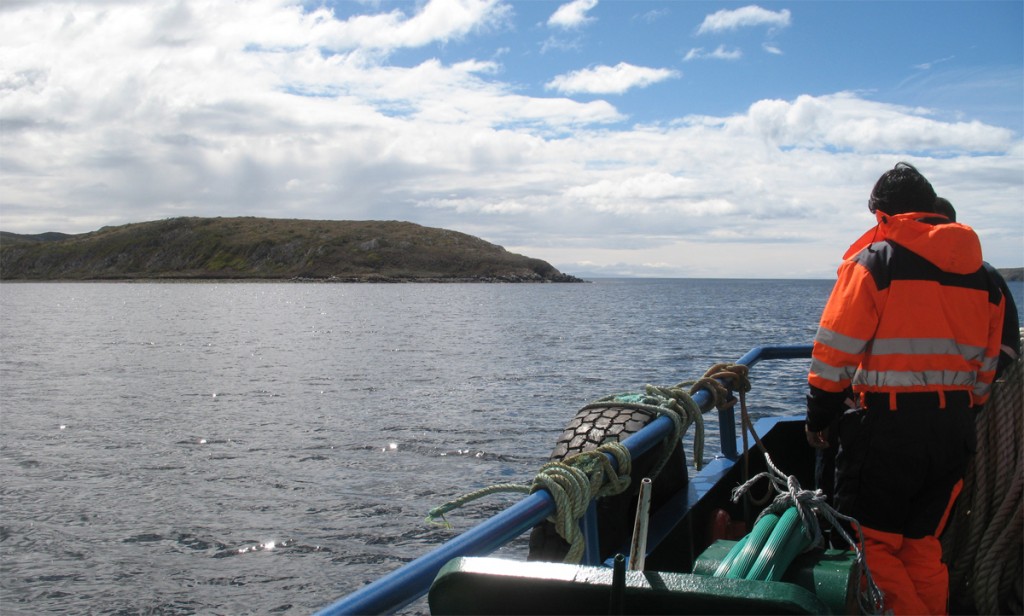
(876, 258)
(887, 261)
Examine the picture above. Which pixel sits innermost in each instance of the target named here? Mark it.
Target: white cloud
(122, 114)
(439, 20)
(651, 16)
(720, 53)
(647, 194)
(609, 79)
(572, 14)
(844, 121)
(927, 66)
(747, 16)
(560, 43)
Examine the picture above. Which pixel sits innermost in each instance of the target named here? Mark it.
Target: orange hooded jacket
(913, 310)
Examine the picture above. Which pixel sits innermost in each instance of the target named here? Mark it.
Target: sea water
(264, 448)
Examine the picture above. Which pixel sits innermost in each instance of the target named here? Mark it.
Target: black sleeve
(1010, 344)
(824, 407)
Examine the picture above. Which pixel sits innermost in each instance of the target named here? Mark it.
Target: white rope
(810, 504)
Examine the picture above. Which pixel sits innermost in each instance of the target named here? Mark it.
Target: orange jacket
(913, 310)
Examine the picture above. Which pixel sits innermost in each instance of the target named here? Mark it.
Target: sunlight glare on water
(265, 448)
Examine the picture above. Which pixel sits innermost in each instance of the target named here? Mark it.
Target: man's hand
(818, 440)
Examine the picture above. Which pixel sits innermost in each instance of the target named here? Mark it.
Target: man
(908, 344)
(1009, 351)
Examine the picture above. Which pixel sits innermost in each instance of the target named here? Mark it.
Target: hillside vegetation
(1013, 274)
(270, 249)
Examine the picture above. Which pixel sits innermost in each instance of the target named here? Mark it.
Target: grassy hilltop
(267, 249)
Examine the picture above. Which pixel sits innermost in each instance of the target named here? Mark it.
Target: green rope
(589, 475)
(672, 402)
(577, 480)
(439, 511)
(572, 482)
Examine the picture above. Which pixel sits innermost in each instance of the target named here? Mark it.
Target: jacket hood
(950, 246)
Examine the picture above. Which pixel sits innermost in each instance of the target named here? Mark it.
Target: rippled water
(265, 448)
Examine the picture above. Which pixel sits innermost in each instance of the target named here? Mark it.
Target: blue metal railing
(410, 582)
(726, 418)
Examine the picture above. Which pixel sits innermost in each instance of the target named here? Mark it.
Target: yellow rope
(577, 480)
(572, 482)
(581, 478)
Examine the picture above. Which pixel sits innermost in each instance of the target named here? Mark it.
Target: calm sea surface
(265, 448)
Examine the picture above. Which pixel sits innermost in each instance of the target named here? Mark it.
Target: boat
(740, 534)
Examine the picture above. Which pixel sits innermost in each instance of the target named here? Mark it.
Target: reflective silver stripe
(915, 346)
(928, 378)
(831, 373)
(972, 353)
(926, 346)
(989, 365)
(1009, 351)
(934, 346)
(981, 389)
(840, 342)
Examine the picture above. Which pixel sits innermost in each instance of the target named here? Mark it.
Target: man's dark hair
(944, 207)
(902, 189)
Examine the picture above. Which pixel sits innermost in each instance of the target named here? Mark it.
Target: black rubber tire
(589, 429)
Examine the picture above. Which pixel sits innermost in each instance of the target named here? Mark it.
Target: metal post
(638, 548)
(616, 604)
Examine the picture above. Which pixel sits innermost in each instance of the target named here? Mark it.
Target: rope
(440, 510)
(589, 475)
(985, 539)
(810, 504)
(672, 402)
(572, 482)
(738, 376)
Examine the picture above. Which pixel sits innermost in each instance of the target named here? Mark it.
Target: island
(249, 248)
(1012, 274)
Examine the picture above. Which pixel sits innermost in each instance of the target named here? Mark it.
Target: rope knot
(575, 481)
(736, 375)
(809, 504)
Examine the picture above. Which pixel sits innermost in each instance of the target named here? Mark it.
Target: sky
(607, 137)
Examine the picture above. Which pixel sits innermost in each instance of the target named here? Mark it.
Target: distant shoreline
(1013, 274)
(212, 280)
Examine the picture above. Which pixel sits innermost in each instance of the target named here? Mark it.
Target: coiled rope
(578, 479)
(672, 402)
(984, 544)
(572, 482)
(809, 505)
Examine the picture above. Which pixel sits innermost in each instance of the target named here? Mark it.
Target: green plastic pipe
(775, 545)
(723, 567)
(797, 543)
(755, 543)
